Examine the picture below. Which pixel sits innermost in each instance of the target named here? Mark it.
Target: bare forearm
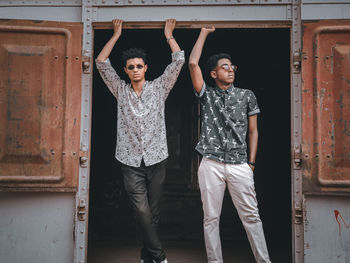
(107, 49)
(197, 49)
(173, 45)
(253, 145)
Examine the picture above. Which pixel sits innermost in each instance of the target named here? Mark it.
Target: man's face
(135, 68)
(224, 72)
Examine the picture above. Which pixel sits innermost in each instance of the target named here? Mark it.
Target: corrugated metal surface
(326, 111)
(40, 105)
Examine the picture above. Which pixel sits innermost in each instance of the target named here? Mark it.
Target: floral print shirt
(141, 132)
(224, 123)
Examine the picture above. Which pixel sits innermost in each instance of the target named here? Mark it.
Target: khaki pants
(213, 177)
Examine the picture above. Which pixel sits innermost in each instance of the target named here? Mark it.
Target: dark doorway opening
(263, 59)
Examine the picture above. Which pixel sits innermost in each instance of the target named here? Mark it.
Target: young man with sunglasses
(227, 114)
(141, 134)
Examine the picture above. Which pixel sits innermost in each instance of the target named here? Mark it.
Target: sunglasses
(138, 66)
(228, 67)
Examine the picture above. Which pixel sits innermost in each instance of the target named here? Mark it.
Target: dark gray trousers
(144, 186)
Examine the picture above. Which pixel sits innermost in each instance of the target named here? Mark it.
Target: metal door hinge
(298, 215)
(84, 161)
(297, 158)
(86, 64)
(297, 62)
(82, 210)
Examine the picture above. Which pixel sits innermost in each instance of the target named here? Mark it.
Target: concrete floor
(113, 251)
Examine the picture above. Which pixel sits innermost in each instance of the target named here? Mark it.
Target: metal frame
(89, 15)
(82, 197)
(297, 197)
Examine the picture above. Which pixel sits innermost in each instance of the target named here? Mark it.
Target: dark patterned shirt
(224, 123)
(141, 129)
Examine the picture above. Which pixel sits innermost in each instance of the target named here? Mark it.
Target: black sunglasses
(138, 66)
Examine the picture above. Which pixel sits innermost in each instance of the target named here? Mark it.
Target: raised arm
(106, 51)
(168, 32)
(195, 70)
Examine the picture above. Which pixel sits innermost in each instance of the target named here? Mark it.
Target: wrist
(251, 163)
(169, 38)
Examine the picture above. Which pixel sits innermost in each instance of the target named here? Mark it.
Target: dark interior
(262, 57)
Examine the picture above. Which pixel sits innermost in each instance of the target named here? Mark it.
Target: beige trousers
(213, 177)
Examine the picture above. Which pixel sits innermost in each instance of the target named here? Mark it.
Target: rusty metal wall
(88, 12)
(326, 112)
(40, 105)
(326, 141)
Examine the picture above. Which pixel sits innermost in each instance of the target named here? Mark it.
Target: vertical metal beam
(82, 197)
(297, 196)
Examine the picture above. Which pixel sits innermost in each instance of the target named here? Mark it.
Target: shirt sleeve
(252, 104)
(168, 78)
(109, 76)
(199, 95)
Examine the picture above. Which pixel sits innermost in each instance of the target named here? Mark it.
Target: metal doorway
(264, 67)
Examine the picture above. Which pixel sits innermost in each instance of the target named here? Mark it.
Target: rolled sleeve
(200, 94)
(252, 105)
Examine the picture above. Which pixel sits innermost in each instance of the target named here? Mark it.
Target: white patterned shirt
(141, 132)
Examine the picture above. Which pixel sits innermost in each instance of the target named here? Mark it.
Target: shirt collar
(230, 89)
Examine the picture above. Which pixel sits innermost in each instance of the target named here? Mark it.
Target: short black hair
(134, 53)
(212, 62)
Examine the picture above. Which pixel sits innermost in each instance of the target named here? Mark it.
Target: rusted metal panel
(325, 106)
(39, 105)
